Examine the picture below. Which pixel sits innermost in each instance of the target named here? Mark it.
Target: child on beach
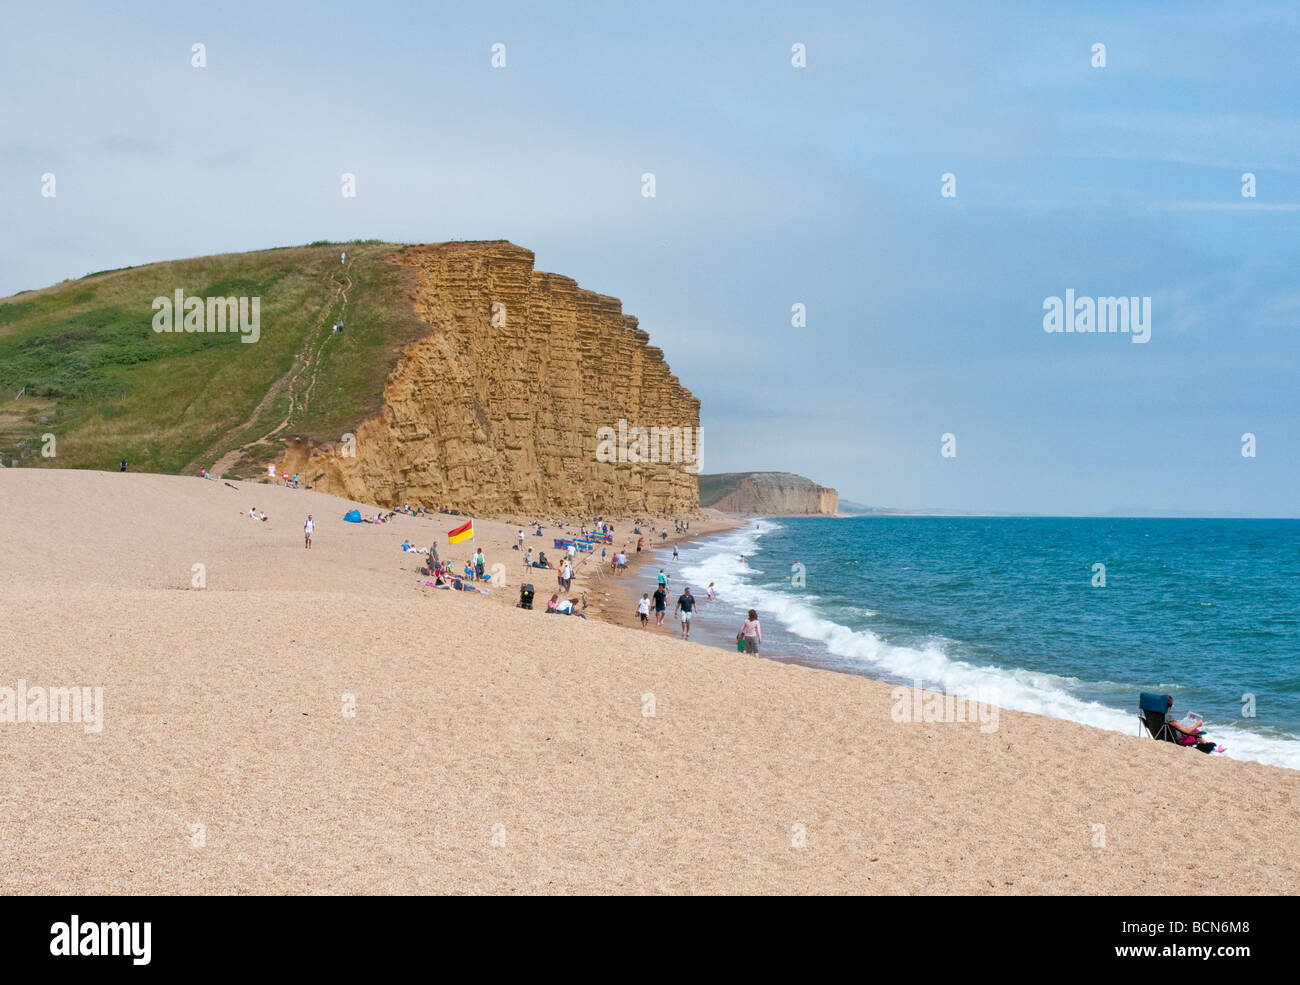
(643, 610)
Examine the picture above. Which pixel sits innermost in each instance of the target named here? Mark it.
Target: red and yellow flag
(464, 532)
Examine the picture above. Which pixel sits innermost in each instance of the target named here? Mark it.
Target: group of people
(445, 575)
(410, 510)
(567, 607)
(687, 605)
(540, 562)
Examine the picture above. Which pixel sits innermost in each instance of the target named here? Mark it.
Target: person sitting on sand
(1189, 736)
(553, 603)
(564, 607)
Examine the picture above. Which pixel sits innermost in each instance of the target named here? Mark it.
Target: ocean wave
(932, 662)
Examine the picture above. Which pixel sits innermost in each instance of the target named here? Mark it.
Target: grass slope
(97, 377)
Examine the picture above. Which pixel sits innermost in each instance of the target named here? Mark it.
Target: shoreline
(721, 635)
(627, 592)
(479, 748)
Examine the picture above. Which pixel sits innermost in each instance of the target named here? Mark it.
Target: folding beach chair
(1151, 713)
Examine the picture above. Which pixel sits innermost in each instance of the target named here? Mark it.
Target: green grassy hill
(92, 371)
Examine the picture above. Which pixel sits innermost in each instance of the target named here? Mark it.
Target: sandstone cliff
(497, 410)
(767, 494)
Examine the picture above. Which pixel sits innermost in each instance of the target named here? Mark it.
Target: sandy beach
(318, 722)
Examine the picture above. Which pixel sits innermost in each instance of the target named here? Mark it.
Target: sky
(775, 185)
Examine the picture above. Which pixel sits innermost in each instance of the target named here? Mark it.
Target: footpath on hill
(307, 359)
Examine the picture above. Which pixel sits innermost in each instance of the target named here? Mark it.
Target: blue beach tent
(353, 516)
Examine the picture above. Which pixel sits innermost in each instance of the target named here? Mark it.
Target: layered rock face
(498, 409)
(772, 494)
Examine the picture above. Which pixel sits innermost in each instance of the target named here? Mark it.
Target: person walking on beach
(521, 541)
(751, 633)
(528, 558)
(674, 552)
(710, 598)
(307, 529)
(661, 604)
(643, 610)
(685, 606)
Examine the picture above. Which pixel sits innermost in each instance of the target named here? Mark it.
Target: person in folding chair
(1156, 712)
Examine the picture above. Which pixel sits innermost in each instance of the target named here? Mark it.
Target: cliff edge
(500, 408)
(767, 494)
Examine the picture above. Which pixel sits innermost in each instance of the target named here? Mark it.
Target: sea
(1069, 618)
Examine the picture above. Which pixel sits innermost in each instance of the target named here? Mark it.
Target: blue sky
(775, 185)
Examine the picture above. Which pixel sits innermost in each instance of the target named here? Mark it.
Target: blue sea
(1205, 610)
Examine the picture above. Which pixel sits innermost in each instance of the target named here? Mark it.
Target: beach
(320, 722)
